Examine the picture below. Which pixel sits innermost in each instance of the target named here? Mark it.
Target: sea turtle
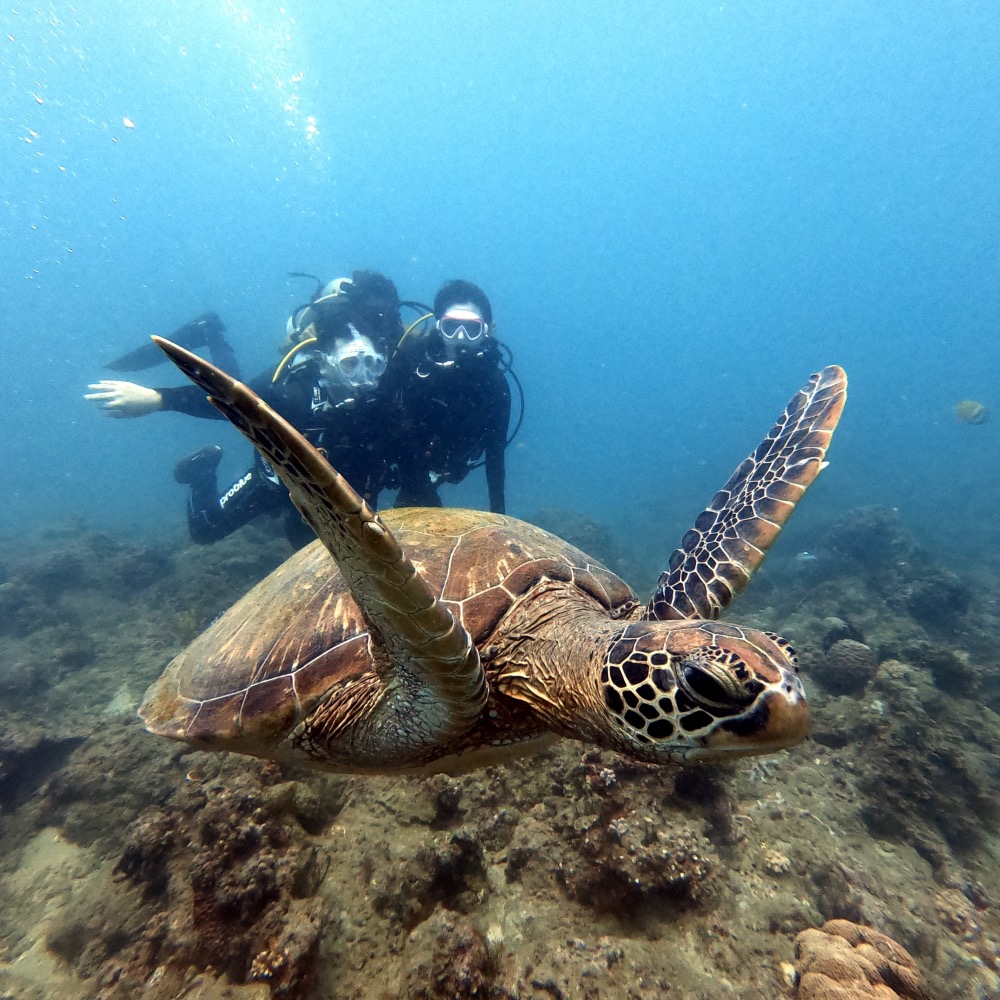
(446, 639)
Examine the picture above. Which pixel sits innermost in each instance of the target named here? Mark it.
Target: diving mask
(353, 363)
(462, 324)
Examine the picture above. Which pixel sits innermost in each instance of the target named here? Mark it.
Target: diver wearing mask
(367, 299)
(334, 356)
(447, 390)
(328, 377)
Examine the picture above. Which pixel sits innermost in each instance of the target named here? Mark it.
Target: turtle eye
(711, 685)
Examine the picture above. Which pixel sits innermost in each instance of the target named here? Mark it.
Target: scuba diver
(446, 389)
(336, 371)
(370, 295)
(338, 344)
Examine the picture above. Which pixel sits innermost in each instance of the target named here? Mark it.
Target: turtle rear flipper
(432, 678)
(730, 538)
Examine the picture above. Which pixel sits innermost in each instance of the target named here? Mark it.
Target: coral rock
(836, 629)
(630, 859)
(449, 959)
(847, 667)
(846, 961)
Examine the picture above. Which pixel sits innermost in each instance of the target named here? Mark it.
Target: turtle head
(697, 691)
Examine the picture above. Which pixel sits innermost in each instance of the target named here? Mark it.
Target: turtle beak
(779, 719)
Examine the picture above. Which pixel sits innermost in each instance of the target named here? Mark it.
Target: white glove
(125, 399)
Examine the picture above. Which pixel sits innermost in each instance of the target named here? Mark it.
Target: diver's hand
(124, 399)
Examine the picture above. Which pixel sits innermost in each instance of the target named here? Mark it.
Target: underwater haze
(678, 209)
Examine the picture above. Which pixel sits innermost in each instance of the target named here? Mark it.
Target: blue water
(679, 211)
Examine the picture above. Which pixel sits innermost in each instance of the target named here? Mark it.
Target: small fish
(806, 557)
(128, 123)
(971, 411)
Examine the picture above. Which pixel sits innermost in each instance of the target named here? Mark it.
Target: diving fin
(205, 330)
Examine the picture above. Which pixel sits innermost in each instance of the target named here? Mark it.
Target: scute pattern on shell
(274, 655)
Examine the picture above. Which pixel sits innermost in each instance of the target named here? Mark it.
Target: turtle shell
(270, 660)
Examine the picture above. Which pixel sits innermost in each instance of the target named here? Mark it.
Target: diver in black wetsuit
(370, 296)
(323, 386)
(447, 391)
(326, 391)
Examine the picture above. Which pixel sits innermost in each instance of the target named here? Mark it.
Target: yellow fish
(969, 411)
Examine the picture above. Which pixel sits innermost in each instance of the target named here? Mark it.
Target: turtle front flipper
(730, 538)
(433, 684)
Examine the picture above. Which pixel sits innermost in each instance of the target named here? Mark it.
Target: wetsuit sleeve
(496, 446)
(191, 400)
(188, 399)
